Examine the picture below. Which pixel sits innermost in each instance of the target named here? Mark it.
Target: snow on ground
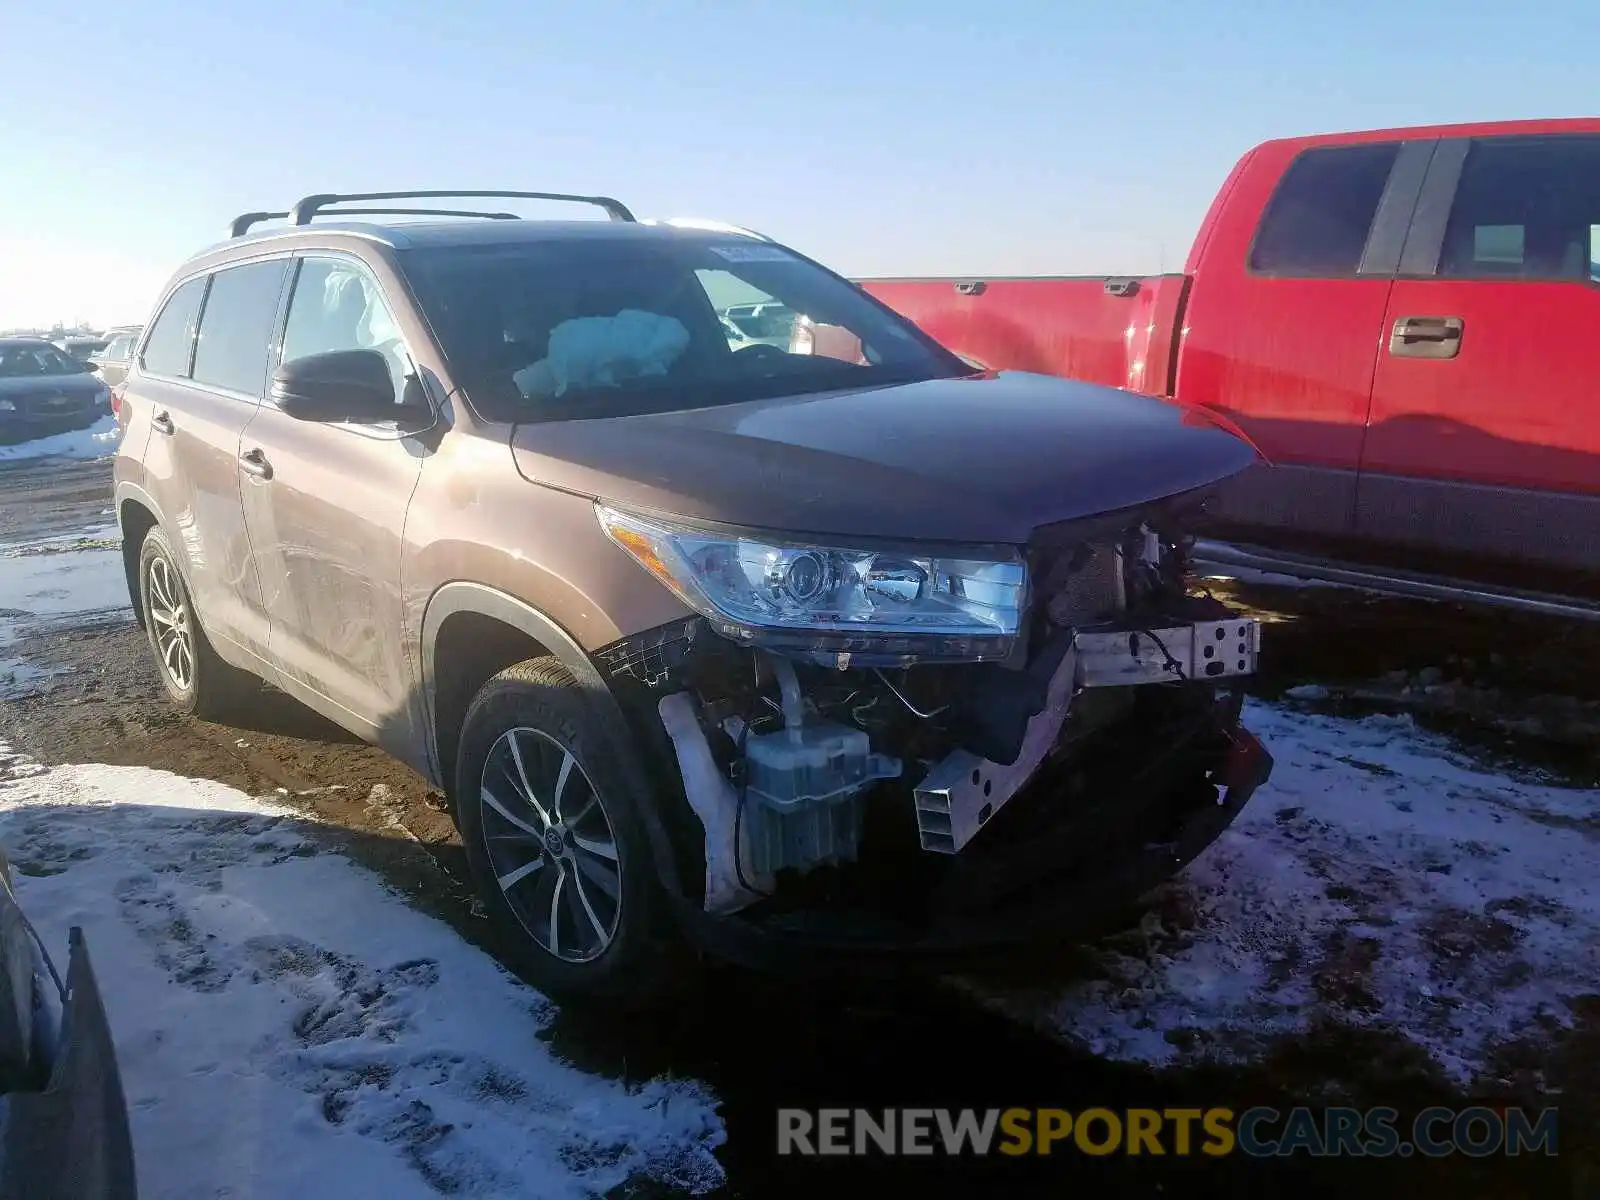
(97, 441)
(20, 678)
(1382, 880)
(79, 577)
(287, 1026)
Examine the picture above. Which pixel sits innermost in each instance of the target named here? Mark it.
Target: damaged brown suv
(815, 639)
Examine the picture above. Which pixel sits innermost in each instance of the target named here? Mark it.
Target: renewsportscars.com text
(1258, 1132)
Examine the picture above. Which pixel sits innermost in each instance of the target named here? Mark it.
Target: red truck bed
(1119, 332)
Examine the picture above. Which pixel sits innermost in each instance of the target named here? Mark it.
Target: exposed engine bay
(825, 778)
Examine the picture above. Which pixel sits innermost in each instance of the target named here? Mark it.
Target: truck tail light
(116, 401)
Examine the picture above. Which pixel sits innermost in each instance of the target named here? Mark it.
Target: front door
(325, 505)
(1484, 434)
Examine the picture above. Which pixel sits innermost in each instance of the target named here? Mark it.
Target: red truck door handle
(1117, 286)
(971, 287)
(1426, 337)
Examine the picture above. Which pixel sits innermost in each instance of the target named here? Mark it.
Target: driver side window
(337, 306)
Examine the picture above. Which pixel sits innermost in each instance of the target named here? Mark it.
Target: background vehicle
(769, 324)
(781, 650)
(111, 361)
(63, 1114)
(1402, 320)
(81, 348)
(43, 391)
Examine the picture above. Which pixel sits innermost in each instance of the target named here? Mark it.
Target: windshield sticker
(752, 254)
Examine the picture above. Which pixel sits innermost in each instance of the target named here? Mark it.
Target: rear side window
(166, 350)
(237, 325)
(1318, 219)
(1526, 208)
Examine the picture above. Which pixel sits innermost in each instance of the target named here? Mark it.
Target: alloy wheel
(551, 845)
(174, 632)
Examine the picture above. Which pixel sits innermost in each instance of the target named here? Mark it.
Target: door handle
(254, 462)
(1427, 337)
(162, 423)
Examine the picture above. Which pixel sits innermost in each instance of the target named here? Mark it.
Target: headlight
(900, 602)
(7, 406)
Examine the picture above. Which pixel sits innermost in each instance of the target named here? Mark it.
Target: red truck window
(1316, 223)
(1526, 208)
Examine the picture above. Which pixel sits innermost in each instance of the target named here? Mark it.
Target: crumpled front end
(867, 800)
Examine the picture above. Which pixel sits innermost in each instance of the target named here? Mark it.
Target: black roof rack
(307, 208)
(312, 206)
(241, 223)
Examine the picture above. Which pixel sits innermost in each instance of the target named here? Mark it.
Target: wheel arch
(137, 515)
(466, 607)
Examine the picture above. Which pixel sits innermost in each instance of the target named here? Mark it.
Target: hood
(986, 458)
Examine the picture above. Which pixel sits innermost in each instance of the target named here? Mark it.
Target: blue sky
(882, 137)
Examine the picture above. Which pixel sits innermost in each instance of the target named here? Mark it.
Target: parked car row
(58, 385)
(1401, 320)
(111, 359)
(44, 391)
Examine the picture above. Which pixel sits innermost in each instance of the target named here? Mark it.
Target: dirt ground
(1515, 686)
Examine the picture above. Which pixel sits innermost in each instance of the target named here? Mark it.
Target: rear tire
(197, 681)
(554, 840)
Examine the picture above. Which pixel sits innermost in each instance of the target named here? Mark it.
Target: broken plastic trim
(715, 802)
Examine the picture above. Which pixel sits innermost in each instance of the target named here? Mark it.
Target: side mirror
(340, 385)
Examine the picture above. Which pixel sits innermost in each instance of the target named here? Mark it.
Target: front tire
(554, 840)
(197, 681)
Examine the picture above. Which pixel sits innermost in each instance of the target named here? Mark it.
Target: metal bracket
(1205, 650)
(962, 791)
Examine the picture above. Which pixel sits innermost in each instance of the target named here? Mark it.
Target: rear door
(1282, 322)
(326, 505)
(1484, 435)
(202, 372)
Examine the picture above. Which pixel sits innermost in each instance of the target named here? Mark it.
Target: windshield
(19, 360)
(602, 327)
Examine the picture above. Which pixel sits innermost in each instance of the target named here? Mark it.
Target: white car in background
(767, 324)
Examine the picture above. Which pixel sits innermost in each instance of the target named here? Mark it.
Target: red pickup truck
(1407, 324)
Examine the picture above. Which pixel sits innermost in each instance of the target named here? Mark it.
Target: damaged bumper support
(963, 791)
(1060, 885)
(960, 793)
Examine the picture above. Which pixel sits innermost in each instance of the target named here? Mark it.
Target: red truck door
(1484, 434)
(1281, 329)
